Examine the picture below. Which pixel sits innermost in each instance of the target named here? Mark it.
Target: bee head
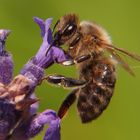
(66, 27)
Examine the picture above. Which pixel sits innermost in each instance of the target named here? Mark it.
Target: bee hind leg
(69, 100)
(65, 82)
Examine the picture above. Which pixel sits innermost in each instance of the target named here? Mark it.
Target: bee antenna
(52, 32)
(49, 48)
(55, 25)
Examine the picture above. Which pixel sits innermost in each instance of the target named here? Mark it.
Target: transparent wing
(114, 52)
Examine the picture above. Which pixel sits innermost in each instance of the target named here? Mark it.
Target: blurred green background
(121, 18)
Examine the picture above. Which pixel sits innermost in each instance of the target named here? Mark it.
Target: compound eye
(70, 28)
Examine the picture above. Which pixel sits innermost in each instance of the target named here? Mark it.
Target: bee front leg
(65, 82)
(76, 60)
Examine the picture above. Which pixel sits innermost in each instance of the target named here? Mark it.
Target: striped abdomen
(96, 95)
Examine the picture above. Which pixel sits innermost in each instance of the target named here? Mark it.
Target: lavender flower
(18, 103)
(41, 60)
(6, 62)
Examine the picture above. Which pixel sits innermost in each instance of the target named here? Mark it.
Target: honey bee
(95, 57)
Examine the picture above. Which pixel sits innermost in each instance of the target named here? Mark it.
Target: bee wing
(113, 50)
(132, 55)
(122, 63)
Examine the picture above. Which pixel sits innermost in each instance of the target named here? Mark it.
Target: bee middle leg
(65, 82)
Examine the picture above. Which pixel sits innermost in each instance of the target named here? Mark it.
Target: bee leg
(76, 60)
(65, 82)
(69, 100)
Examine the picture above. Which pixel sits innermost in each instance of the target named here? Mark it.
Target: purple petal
(48, 24)
(34, 107)
(50, 117)
(41, 24)
(55, 54)
(4, 33)
(6, 69)
(8, 118)
(6, 62)
(59, 55)
(47, 116)
(44, 26)
(53, 132)
(33, 126)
